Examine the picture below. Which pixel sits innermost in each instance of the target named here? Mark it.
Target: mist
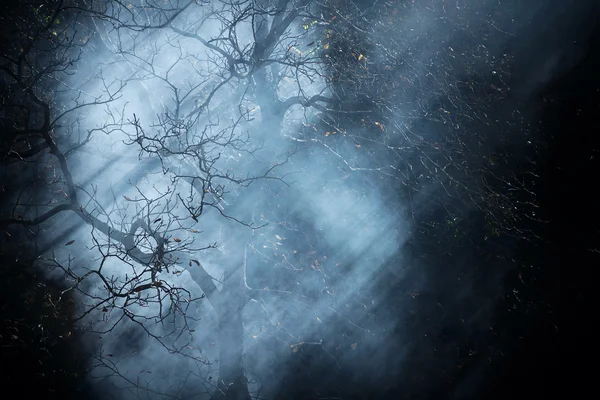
(228, 218)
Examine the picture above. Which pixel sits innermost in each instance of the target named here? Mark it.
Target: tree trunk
(232, 384)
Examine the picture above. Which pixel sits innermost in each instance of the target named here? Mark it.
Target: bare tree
(198, 139)
(207, 102)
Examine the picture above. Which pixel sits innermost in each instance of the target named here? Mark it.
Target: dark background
(569, 104)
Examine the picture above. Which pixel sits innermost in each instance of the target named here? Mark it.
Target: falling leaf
(70, 242)
(196, 262)
(254, 336)
(360, 57)
(127, 198)
(326, 46)
(357, 146)
(327, 133)
(177, 240)
(157, 220)
(278, 237)
(319, 319)
(353, 345)
(194, 231)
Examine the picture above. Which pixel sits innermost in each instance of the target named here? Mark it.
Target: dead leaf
(177, 240)
(127, 198)
(157, 220)
(196, 262)
(69, 243)
(353, 345)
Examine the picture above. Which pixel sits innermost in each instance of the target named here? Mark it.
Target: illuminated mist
(326, 234)
(295, 220)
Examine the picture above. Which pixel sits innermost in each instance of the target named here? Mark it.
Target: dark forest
(295, 199)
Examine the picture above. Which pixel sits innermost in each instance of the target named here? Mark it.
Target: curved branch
(204, 280)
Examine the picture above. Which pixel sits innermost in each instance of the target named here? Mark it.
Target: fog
(295, 223)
